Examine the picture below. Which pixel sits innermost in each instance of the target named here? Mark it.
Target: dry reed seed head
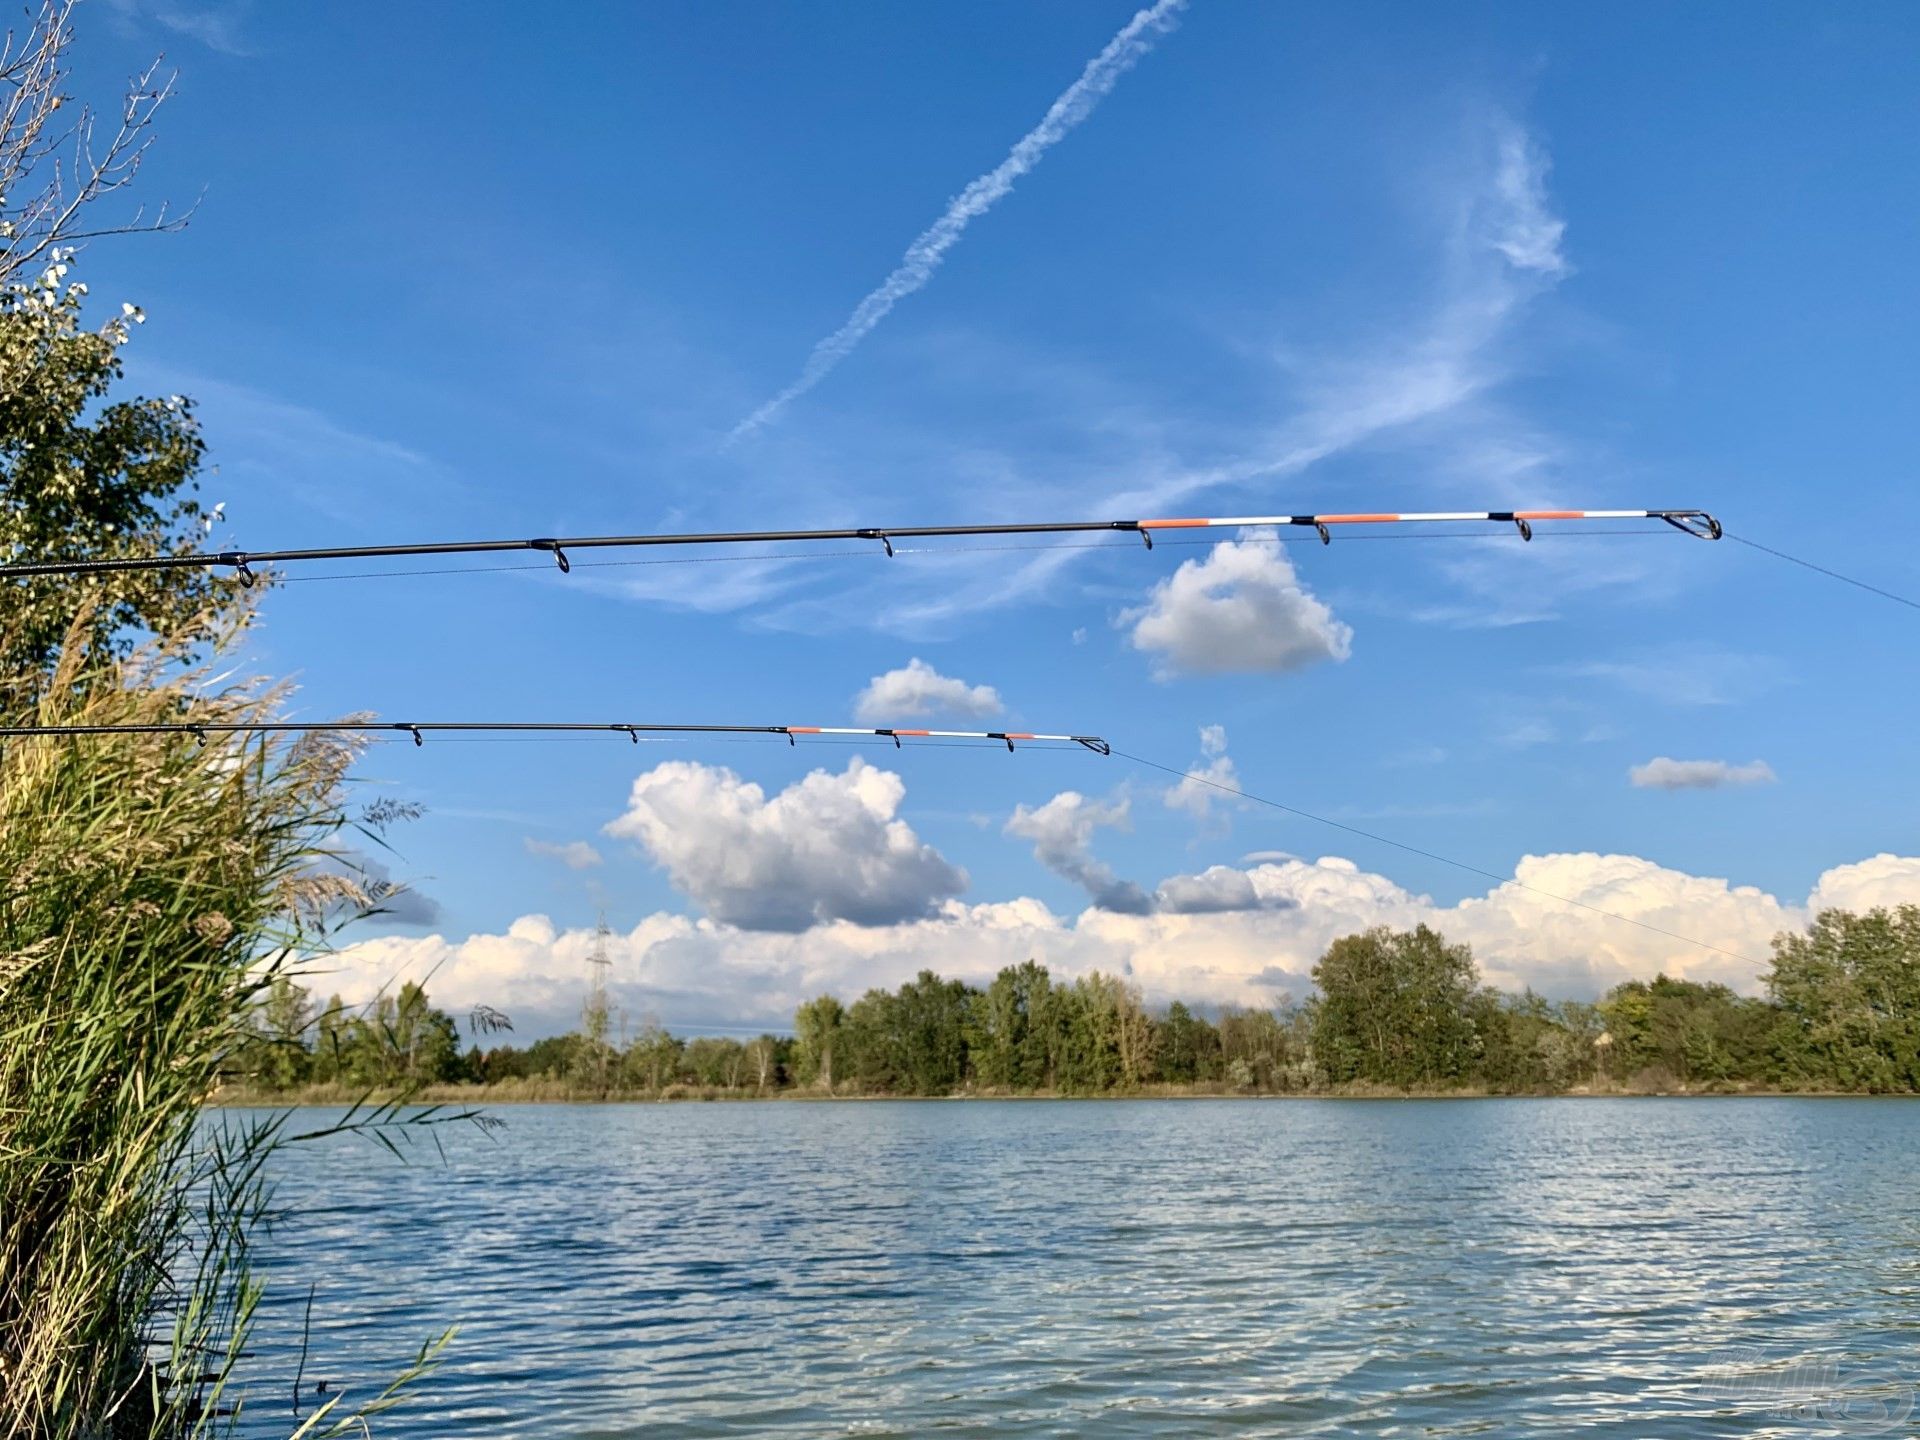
(214, 927)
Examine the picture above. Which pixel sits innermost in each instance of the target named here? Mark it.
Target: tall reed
(150, 887)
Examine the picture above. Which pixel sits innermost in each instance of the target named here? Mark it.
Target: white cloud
(926, 253)
(1215, 890)
(1883, 882)
(1198, 792)
(1239, 610)
(1520, 223)
(574, 854)
(1664, 773)
(1062, 835)
(917, 689)
(828, 847)
(695, 971)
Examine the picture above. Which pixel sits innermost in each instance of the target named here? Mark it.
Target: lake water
(1421, 1268)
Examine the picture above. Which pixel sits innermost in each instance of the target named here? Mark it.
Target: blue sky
(528, 274)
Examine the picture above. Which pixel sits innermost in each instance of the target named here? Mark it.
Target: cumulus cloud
(917, 689)
(1062, 835)
(1196, 793)
(1883, 882)
(1216, 890)
(574, 854)
(1240, 610)
(828, 847)
(1664, 773)
(693, 971)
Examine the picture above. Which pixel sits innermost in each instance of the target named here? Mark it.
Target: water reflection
(1122, 1268)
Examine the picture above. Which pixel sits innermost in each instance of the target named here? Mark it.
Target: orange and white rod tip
(1228, 521)
(933, 734)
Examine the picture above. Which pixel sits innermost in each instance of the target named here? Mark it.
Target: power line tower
(596, 1015)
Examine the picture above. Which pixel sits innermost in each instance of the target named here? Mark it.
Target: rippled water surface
(1421, 1268)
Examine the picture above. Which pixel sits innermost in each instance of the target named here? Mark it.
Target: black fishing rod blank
(420, 729)
(1697, 523)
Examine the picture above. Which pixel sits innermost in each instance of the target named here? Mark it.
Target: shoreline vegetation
(151, 885)
(1394, 1015)
(514, 1093)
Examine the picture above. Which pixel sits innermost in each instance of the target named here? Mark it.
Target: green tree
(718, 1061)
(1007, 1041)
(85, 474)
(763, 1062)
(1189, 1047)
(1393, 1009)
(554, 1057)
(1666, 1032)
(653, 1060)
(328, 1063)
(426, 1040)
(816, 1030)
(930, 1015)
(1528, 1044)
(1258, 1047)
(870, 1044)
(276, 1053)
(1848, 991)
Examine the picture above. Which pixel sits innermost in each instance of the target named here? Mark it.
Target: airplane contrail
(923, 257)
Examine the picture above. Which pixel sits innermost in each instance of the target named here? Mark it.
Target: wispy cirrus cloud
(218, 27)
(316, 459)
(1429, 387)
(925, 254)
(1690, 676)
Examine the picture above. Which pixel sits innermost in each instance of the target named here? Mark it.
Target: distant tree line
(1394, 1011)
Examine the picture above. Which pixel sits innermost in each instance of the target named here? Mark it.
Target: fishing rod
(420, 729)
(1697, 523)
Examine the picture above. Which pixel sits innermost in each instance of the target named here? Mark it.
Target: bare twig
(54, 166)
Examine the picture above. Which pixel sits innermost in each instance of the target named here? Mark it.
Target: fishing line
(1821, 569)
(1431, 855)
